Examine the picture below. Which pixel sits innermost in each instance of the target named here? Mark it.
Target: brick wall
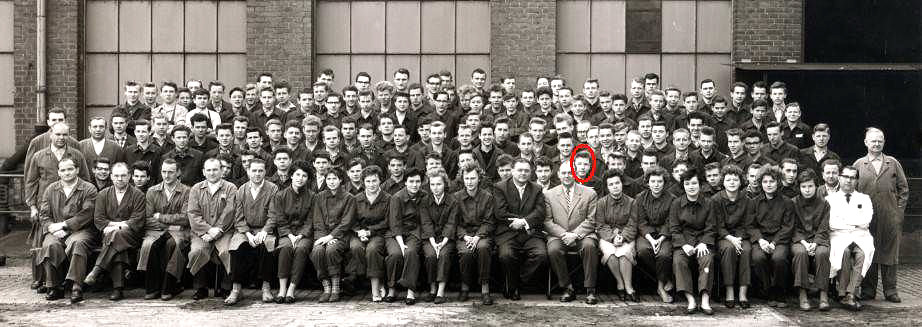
(63, 74)
(524, 39)
(279, 40)
(768, 31)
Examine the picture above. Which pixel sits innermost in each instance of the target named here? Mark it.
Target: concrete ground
(20, 306)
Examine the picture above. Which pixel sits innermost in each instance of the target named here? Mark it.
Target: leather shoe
(116, 295)
(486, 299)
(462, 297)
(591, 300)
(439, 300)
(409, 301)
(41, 290)
(708, 311)
(730, 304)
(691, 311)
(824, 305)
(76, 296)
(622, 295)
(92, 276)
(389, 299)
(200, 294)
(849, 302)
(632, 297)
(151, 296)
(324, 298)
(895, 298)
(568, 296)
(166, 296)
(334, 297)
(54, 294)
(35, 285)
(744, 304)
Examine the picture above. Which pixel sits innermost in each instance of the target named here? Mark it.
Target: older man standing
(882, 178)
(570, 224)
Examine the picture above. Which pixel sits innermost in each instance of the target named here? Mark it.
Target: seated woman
(333, 212)
(367, 242)
(617, 229)
(654, 249)
(810, 241)
(438, 232)
(404, 237)
(291, 209)
(692, 223)
(731, 207)
(770, 233)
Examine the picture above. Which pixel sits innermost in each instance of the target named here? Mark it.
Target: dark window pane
(644, 26)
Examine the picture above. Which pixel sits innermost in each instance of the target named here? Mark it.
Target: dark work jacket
(692, 222)
(333, 214)
(508, 205)
(811, 220)
(438, 219)
(476, 214)
(292, 212)
(732, 216)
(403, 214)
(371, 216)
(653, 213)
(772, 220)
(614, 217)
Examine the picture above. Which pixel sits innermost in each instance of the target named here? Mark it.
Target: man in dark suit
(520, 217)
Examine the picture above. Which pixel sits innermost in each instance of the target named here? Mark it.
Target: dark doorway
(850, 101)
(863, 31)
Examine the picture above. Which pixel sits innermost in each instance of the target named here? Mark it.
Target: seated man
(851, 245)
(210, 213)
(119, 215)
(67, 234)
(570, 224)
(166, 236)
(253, 244)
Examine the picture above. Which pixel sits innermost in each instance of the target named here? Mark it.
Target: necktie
(566, 194)
(848, 197)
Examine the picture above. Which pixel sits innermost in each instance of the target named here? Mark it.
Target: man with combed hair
(67, 232)
(42, 170)
(520, 217)
(883, 179)
(210, 211)
(851, 245)
(119, 214)
(166, 237)
(570, 223)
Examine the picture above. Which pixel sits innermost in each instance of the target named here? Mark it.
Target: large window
(684, 41)
(161, 40)
(7, 85)
(379, 37)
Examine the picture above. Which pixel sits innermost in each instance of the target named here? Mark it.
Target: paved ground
(21, 307)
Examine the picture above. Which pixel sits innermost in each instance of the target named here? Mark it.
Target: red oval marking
(591, 170)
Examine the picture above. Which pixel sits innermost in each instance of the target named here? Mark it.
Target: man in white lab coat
(851, 242)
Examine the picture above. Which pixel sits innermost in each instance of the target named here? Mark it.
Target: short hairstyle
(372, 170)
(413, 172)
(656, 171)
(732, 169)
(832, 162)
(506, 160)
(808, 175)
(689, 174)
(821, 127)
(180, 128)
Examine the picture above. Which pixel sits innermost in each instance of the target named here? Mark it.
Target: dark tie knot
(848, 197)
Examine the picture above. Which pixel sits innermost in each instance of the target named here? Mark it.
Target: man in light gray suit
(570, 226)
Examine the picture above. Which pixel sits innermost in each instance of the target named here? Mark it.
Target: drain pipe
(41, 87)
